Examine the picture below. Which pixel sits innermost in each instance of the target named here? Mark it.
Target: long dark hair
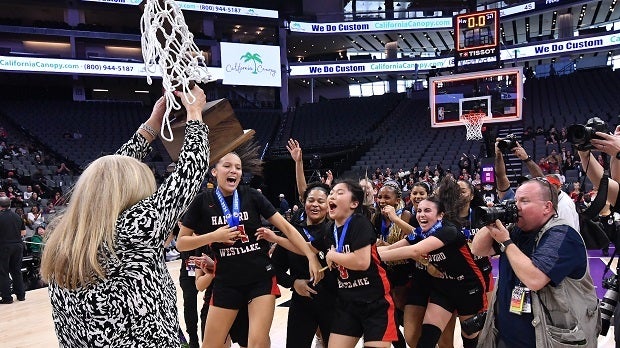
(449, 194)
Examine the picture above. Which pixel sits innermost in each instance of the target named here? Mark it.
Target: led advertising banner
(82, 67)
(269, 58)
(251, 65)
(192, 6)
(555, 48)
(507, 11)
(371, 26)
(373, 67)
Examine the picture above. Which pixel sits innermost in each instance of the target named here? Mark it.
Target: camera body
(507, 143)
(582, 134)
(474, 324)
(506, 212)
(608, 303)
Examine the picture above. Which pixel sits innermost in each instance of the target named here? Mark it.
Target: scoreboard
(476, 35)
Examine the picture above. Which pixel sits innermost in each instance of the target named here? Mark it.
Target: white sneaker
(172, 255)
(319, 342)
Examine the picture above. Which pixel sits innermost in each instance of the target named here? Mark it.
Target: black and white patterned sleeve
(137, 147)
(179, 189)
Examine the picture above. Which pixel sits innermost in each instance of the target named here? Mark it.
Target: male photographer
(543, 264)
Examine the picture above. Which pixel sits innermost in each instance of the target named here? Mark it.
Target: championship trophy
(168, 44)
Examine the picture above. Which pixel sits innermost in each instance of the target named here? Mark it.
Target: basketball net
(168, 44)
(473, 125)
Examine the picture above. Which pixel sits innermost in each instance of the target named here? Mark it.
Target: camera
(582, 135)
(609, 302)
(474, 324)
(506, 212)
(507, 143)
(403, 174)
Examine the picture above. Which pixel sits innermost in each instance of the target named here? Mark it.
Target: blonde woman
(108, 282)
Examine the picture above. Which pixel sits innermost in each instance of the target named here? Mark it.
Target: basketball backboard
(497, 93)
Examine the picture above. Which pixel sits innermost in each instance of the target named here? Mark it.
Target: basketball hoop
(473, 124)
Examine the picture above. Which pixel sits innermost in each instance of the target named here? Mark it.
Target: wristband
(145, 127)
(529, 158)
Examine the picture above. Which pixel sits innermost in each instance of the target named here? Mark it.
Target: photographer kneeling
(544, 291)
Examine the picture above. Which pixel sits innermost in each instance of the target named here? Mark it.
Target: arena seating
(397, 128)
(104, 127)
(335, 124)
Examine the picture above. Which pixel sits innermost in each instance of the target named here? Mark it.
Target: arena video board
(496, 93)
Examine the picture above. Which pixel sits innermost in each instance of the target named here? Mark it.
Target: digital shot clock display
(476, 35)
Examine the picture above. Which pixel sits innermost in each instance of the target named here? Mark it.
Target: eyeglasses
(548, 184)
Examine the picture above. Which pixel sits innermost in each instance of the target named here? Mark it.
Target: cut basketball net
(168, 43)
(473, 124)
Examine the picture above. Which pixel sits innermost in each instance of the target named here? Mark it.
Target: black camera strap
(600, 201)
(608, 266)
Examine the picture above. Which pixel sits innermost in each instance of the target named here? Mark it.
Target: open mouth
(231, 180)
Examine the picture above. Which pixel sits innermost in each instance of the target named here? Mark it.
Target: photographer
(503, 184)
(566, 207)
(543, 276)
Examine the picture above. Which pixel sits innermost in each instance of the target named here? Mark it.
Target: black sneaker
(21, 298)
(6, 300)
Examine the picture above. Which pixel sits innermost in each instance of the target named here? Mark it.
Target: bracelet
(145, 127)
(529, 158)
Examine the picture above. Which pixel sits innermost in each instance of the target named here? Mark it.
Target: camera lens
(577, 134)
(607, 306)
(487, 215)
(502, 145)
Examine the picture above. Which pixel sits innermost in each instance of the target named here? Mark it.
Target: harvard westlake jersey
(357, 286)
(247, 260)
(454, 259)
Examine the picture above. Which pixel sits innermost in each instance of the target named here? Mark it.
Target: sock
(430, 336)
(469, 342)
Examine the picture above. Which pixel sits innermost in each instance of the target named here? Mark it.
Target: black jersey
(357, 286)
(247, 260)
(454, 259)
(291, 266)
(483, 262)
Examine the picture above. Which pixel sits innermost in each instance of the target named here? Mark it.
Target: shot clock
(476, 35)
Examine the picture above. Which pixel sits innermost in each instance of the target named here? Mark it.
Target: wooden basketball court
(29, 324)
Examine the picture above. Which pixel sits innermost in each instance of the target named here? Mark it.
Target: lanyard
(344, 233)
(418, 233)
(467, 230)
(310, 238)
(232, 219)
